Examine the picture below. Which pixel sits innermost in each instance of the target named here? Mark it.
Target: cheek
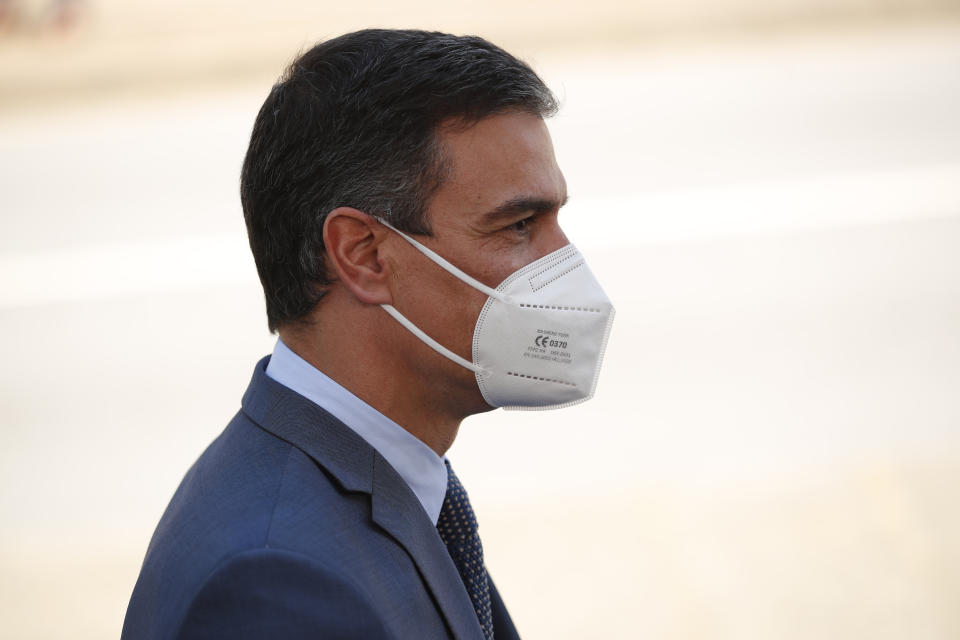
(440, 304)
(492, 273)
(460, 305)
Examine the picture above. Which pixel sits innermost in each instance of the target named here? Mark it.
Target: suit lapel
(396, 509)
(358, 467)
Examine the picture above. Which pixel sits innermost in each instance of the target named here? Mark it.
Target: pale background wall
(769, 191)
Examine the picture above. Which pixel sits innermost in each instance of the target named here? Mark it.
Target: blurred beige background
(770, 192)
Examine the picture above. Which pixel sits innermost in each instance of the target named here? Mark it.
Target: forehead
(495, 160)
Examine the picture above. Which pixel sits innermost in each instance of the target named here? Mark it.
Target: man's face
(495, 213)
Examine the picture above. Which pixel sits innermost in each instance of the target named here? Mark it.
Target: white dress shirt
(419, 465)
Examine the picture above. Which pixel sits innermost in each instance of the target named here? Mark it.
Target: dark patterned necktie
(458, 530)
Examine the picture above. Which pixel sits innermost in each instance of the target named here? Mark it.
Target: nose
(553, 237)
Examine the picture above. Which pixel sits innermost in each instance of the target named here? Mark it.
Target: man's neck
(367, 371)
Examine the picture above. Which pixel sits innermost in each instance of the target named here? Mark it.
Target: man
(393, 179)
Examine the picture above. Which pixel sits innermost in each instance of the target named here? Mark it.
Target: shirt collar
(419, 465)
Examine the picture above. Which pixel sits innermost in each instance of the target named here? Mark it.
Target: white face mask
(540, 337)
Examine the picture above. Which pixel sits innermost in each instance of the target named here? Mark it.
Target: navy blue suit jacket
(291, 526)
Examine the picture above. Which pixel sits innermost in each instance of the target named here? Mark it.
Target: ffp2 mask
(540, 337)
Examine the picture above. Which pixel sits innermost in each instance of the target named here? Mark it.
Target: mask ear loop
(447, 266)
(417, 331)
(430, 342)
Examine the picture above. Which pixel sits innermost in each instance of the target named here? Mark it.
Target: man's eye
(521, 226)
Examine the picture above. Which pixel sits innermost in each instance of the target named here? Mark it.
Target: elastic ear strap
(451, 269)
(430, 342)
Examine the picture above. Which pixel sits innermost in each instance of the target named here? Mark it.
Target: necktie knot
(457, 526)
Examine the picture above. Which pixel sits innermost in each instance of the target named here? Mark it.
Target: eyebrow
(522, 204)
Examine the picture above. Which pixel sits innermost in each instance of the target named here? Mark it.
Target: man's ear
(352, 239)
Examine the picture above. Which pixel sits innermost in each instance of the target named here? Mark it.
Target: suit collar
(419, 465)
(357, 466)
(294, 419)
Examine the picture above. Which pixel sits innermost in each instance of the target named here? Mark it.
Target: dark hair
(352, 122)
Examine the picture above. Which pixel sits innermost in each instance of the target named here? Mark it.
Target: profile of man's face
(495, 212)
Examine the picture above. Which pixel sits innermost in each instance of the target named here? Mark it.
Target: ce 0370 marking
(546, 341)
